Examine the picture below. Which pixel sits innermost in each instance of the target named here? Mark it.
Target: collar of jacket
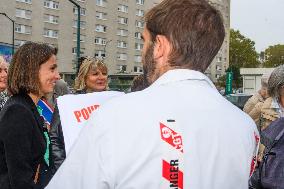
(277, 106)
(268, 112)
(29, 102)
(180, 75)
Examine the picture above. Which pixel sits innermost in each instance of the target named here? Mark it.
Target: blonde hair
(87, 65)
(2, 60)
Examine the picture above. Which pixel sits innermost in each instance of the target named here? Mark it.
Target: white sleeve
(88, 165)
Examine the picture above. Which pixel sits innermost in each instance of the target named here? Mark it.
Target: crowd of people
(166, 133)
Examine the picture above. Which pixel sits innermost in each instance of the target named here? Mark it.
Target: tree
(242, 51)
(221, 82)
(242, 54)
(274, 56)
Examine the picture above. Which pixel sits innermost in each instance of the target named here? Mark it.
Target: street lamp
(13, 33)
(78, 34)
(105, 46)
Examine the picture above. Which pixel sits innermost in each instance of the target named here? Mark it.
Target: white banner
(75, 110)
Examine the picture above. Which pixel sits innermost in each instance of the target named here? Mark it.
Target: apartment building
(109, 29)
(220, 63)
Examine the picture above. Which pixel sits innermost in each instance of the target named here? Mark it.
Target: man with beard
(177, 133)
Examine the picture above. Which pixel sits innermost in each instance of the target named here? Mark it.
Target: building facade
(220, 63)
(109, 29)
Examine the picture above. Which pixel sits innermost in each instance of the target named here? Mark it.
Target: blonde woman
(92, 77)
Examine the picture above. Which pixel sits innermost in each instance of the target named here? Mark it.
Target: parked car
(238, 99)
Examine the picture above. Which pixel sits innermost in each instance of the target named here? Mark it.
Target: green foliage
(242, 51)
(242, 55)
(221, 82)
(274, 56)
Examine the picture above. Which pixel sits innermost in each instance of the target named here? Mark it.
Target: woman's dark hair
(23, 74)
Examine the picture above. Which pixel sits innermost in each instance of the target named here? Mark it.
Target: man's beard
(149, 66)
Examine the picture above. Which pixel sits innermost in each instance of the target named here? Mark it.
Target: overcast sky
(260, 20)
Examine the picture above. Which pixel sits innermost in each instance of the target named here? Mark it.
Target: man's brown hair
(193, 27)
(23, 74)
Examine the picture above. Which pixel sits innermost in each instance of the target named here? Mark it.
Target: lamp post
(105, 47)
(13, 32)
(78, 34)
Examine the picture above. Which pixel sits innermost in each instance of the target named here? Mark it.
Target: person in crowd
(92, 76)
(254, 103)
(57, 145)
(3, 82)
(269, 172)
(32, 74)
(138, 84)
(273, 107)
(176, 138)
(61, 88)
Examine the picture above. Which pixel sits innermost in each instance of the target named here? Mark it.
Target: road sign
(229, 81)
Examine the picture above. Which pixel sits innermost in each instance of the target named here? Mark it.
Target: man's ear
(162, 47)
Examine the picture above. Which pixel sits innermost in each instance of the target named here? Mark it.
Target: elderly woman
(273, 107)
(3, 82)
(23, 142)
(254, 104)
(92, 77)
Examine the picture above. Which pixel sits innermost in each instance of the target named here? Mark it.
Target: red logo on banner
(171, 137)
(172, 173)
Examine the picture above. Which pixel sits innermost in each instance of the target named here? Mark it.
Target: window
(101, 28)
(101, 15)
(122, 20)
(82, 37)
(25, 1)
(139, 12)
(219, 59)
(21, 13)
(100, 41)
(82, 24)
(74, 50)
(19, 43)
(138, 46)
(138, 58)
(82, 11)
(50, 33)
(19, 28)
(122, 8)
(51, 4)
(218, 68)
(140, 2)
(217, 76)
(122, 68)
(138, 69)
(121, 44)
(101, 3)
(139, 24)
(100, 54)
(51, 19)
(122, 32)
(138, 35)
(121, 56)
